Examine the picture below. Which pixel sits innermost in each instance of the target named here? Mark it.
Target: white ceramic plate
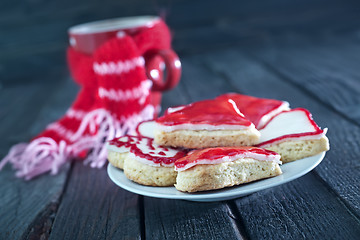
(291, 171)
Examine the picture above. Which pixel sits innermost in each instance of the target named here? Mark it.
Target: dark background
(34, 32)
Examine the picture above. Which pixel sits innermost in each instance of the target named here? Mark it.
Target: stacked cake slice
(294, 135)
(215, 168)
(208, 123)
(217, 143)
(143, 161)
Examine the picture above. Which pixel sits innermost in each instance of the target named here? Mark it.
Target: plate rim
(215, 196)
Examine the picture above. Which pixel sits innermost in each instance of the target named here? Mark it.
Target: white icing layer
(146, 129)
(301, 138)
(144, 146)
(149, 162)
(258, 157)
(265, 119)
(207, 127)
(288, 122)
(155, 151)
(122, 149)
(174, 109)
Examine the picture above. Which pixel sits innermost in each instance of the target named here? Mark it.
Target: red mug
(87, 37)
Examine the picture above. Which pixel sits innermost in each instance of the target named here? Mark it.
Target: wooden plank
(175, 219)
(33, 105)
(8, 101)
(199, 81)
(339, 168)
(297, 210)
(33, 66)
(22, 110)
(95, 208)
(175, 97)
(26, 207)
(327, 70)
(106, 210)
(57, 106)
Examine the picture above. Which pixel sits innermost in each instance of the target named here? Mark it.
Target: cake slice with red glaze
(151, 164)
(118, 149)
(258, 110)
(294, 135)
(207, 123)
(144, 161)
(216, 168)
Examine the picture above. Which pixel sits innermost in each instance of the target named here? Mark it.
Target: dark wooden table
(304, 52)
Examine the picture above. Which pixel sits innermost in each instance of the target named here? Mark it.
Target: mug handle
(154, 64)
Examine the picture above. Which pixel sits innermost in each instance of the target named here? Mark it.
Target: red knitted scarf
(114, 97)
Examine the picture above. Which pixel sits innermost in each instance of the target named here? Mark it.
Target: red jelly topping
(220, 152)
(131, 140)
(133, 143)
(253, 108)
(212, 112)
(156, 159)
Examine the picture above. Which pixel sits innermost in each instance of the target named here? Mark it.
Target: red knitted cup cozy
(114, 98)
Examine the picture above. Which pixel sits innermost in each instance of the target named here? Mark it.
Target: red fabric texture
(117, 49)
(121, 50)
(114, 89)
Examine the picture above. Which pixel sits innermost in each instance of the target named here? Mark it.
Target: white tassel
(39, 156)
(45, 154)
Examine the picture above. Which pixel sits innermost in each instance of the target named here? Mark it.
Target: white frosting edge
(146, 128)
(114, 148)
(175, 109)
(285, 106)
(255, 156)
(148, 162)
(301, 138)
(195, 127)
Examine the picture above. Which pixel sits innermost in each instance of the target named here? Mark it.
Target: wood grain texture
(21, 106)
(23, 203)
(28, 109)
(326, 69)
(177, 96)
(55, 107)
(295, 211)
(200, 82)
(94, 208)
(177, 219)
